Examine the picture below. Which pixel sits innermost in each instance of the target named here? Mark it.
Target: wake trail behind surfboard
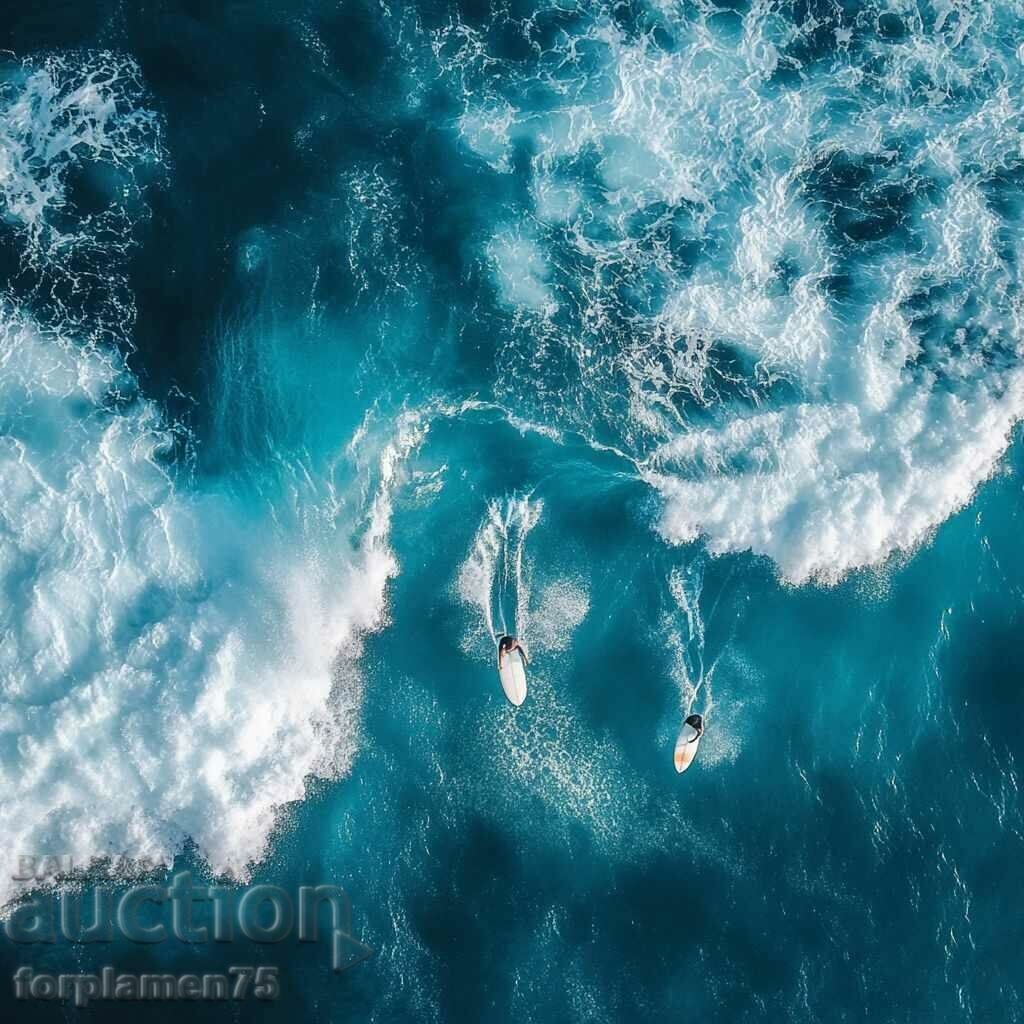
(495, 576)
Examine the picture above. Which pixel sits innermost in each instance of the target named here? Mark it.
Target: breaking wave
(774, 260)
(162, 675)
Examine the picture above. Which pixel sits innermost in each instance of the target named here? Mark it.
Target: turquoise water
(682, 341)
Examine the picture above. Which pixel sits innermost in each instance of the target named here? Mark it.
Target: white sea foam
(87, 114)
(827, 433)
(831, 488)
(161, 675)
(562, 605)
(60, 113)
(486, 133)
(522, 272)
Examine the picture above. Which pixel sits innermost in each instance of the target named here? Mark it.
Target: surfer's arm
(522, 651)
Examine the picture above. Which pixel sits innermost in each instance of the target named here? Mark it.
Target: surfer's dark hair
(505, 643)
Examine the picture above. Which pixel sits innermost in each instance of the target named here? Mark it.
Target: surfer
(508, 644)
(697, 723)
(512, 671)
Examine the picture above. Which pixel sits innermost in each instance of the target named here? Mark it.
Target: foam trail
(727, 718)
(494, 577)
(686, 638)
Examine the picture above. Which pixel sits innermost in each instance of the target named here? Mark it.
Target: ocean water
(682, 340)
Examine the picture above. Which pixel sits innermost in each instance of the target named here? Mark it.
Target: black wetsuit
(505, 647)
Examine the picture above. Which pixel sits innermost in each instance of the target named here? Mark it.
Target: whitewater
(163, 678)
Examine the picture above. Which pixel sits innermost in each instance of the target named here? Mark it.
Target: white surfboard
(686, 747)
(513, 677)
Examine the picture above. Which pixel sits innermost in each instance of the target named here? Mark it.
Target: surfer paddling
(688, 741)
(512, 670)
(508, 644)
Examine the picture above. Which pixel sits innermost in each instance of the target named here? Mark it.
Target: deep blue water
(683, 341)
